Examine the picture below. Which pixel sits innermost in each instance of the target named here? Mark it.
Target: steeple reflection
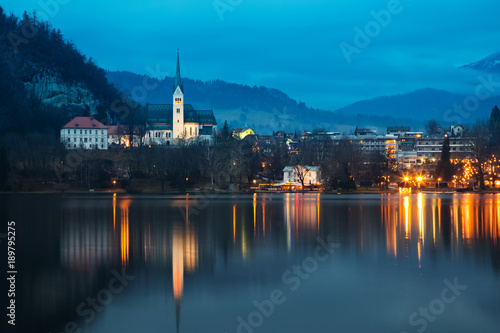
(125, 239)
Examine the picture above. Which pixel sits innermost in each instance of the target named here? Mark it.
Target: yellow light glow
(405, 190)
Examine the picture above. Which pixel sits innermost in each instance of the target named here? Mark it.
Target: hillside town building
(85, 133)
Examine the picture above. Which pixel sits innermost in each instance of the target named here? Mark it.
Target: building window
(69, 139)
(85, 131)
(196, 131)
(85, 140)
(102, 140)
(178, 110)
(190, 131)
(69, 131)
(74, 131)
(81, 131)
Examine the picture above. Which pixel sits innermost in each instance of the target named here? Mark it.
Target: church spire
(177, 81)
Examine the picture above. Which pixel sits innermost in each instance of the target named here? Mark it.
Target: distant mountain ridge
(490, 64)
(425, 104)
(263, 109)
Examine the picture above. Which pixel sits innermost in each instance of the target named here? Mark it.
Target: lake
(255, 263)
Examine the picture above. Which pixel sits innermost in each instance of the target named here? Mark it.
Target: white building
(311, 174)
(175, 123)
(86, 133)
(431, 147)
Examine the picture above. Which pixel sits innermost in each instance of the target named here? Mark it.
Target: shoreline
(197, 191)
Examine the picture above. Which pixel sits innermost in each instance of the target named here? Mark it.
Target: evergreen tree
(444, 169)
(494, 126)
(226, 135)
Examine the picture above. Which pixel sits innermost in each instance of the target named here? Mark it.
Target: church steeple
(178, 130)
(177, 81)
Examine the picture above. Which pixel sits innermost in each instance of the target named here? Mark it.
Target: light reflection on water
(201, 262)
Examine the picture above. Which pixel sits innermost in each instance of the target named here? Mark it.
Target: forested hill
(263, 109)
(44, 79)
(214, 93)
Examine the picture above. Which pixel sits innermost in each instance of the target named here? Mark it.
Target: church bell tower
(178, 105)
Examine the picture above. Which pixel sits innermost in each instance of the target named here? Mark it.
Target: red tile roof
(124, 129)
(84, 122)
(112, 130)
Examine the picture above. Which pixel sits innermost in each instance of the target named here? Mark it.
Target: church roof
(162, 113)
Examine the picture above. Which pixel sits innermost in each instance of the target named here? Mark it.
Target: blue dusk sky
(312, 50)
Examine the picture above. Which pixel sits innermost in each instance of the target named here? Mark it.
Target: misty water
(256, 263)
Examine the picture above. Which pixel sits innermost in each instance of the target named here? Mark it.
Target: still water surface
(261, 263)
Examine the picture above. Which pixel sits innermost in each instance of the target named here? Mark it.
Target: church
(179, 123)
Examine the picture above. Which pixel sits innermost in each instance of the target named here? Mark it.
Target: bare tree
(209, 157)
(432, 127)
(301, 173)
(480, 136)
